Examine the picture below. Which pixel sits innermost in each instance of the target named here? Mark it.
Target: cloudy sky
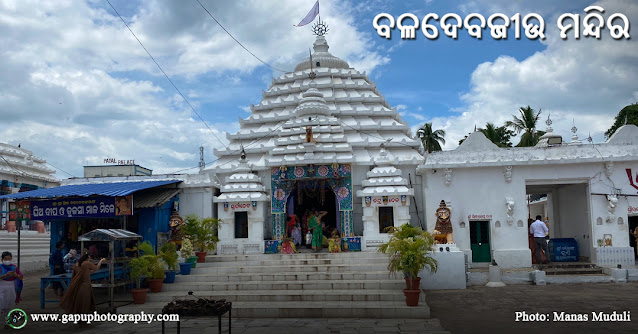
(76, 87)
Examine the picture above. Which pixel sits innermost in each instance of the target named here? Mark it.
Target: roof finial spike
(474, 127)
(574, 129)
(549, 120)
(626, 119)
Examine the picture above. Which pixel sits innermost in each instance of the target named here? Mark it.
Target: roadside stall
(117, 261)
(115, 272)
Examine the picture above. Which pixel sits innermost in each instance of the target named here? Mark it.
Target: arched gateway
(313, 140)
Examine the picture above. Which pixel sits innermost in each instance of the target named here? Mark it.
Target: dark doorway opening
(386, 218)
(633, 241)
(480, 241)
(241, 225)
(314, 195)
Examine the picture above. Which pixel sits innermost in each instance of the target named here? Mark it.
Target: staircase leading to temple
(571, 268)
(34, 249)
(306, 285)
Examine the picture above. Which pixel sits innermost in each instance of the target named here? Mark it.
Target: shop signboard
(82, 207)
(19, 210)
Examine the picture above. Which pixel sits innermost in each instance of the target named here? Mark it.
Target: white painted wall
(228, 244)
(197, 201)
(482, 190)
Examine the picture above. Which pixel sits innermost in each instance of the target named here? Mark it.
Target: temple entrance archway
(314, 195)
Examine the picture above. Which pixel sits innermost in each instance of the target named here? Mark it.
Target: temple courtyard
(476, 309)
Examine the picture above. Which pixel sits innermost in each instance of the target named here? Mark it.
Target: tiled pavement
(275, 326)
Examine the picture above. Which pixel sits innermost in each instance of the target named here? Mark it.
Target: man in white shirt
(540, 231)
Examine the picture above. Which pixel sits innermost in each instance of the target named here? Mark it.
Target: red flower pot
(155, 285)
(413, 284)
(139, 295)
(201, 257)
(412, 297)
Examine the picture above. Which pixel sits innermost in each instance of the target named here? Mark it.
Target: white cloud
(75, 85)
(588, 81)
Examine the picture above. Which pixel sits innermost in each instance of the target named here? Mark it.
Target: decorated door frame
(337, 176)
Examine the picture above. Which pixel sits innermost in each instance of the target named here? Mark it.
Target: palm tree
(498, 135)
(430, 139)
(527, 123)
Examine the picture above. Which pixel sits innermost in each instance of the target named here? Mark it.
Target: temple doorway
(633, 234)
(315, 195)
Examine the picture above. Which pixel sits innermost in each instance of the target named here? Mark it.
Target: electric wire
(167, 77)
(238, 42)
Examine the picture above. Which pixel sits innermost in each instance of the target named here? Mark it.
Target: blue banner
(82, 207)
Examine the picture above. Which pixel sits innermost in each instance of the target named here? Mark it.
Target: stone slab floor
(474, 310)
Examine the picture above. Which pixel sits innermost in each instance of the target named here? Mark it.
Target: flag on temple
(311, 15)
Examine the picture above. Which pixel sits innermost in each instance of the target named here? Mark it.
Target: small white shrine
(241, 213)
(386, 203)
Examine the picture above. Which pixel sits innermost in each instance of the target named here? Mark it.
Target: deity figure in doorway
(175, 222)
(443, 229)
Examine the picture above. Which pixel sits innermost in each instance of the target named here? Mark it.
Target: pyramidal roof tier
(242, 186)
(384, 179)
(348, 117)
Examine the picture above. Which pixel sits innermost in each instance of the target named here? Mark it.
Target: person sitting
(69, 260)
(334, 245)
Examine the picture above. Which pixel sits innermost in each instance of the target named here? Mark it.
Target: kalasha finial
(320, 28)
(549, 120)
(574, 129)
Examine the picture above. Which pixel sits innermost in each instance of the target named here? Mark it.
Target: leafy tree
(628, 114)
(526, 124)
(431, 139)
(499, 135)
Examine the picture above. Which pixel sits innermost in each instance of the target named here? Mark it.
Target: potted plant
(187, 253)
(168, 253)
(139, 270)
(156, 266)
(410, 251)
(203, 234)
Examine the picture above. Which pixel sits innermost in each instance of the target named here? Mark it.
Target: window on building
(241, 224)
(386, 218)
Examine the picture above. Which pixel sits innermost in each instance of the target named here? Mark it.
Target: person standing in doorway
(539, 230)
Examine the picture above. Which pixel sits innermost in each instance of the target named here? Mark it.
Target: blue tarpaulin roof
(90, 189)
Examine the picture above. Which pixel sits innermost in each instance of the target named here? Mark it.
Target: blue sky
(78, 88)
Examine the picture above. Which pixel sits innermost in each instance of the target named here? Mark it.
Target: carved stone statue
(509, 202)
(443, 229)
(507, 172)
(447, 176)
(175, 222)
(309, 137)
(612, 203)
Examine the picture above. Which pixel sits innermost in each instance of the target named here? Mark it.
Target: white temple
(313, 142)
(324, 138)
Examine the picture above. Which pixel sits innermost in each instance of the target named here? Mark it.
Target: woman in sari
(10, 286)
(79, 298)
(314, 223)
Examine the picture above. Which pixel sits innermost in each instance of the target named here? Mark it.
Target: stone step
(337, 309)
(574, 271)
(275, 257)
(567, 265)
(195, 276)
(295, 261)
(286, 285)
(284, 295)
(240, 268)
